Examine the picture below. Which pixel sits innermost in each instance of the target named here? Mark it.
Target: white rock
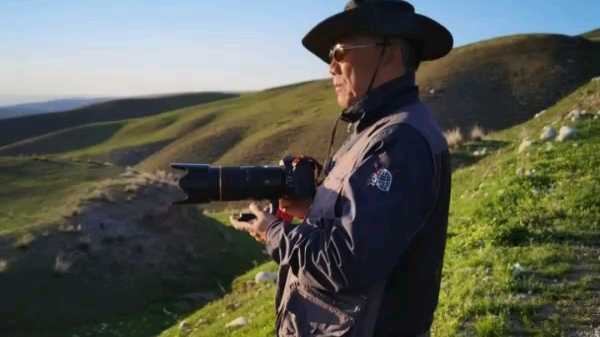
(238, 322)
(481, 152)
(539, 114)
(574, 115)
(262, 277)
(566, 132)
(525, 144)
(520, 171)
(518, 269)
(548, 132)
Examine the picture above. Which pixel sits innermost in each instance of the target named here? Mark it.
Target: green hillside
(495, 83)
(592, 34)
(522, 256)
(36, 191)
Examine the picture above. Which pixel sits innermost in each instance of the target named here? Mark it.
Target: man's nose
(334, 67)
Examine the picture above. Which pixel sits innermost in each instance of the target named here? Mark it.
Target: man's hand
(295, 207)
(257, 227)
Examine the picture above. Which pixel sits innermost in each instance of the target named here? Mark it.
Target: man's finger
(240, 225)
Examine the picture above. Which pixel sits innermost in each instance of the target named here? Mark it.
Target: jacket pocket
(310, 313)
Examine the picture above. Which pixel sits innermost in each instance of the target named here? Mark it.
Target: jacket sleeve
(350, 253)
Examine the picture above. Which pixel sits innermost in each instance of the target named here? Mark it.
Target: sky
(76, 48)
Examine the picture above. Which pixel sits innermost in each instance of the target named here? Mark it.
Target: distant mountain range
(50, 106)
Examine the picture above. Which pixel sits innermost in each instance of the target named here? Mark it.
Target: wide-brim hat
(393, 18)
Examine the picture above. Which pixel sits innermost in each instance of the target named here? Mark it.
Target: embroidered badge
(382, 179)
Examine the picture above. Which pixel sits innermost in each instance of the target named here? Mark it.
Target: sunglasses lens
(337, 53)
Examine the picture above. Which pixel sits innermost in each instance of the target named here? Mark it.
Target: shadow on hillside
(131, 155)
(473, 152)
(38, 301)
(505, 84)
(200, 146)
(65, 141)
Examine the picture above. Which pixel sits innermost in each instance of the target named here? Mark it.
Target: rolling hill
(495, 83)
(592, 34)
(57, 105)
(20, 128)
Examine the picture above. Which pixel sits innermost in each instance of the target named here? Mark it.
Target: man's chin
(343, 102)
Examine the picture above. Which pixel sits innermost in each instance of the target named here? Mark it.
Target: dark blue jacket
(381, 216)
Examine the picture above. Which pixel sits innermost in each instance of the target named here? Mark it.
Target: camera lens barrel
(204, 183)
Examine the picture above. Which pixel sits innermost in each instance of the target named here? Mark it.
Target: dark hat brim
(436, 40)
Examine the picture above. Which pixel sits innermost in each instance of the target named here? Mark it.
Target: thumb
(255, 209)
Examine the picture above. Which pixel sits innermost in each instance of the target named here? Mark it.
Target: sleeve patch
(382, 179)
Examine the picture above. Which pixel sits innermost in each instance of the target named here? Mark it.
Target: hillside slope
(495, 83)
(20, 128)
(57, 105)
(504, 81)
(523, 248)
(592, 34)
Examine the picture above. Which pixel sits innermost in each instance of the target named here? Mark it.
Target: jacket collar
(401, 91)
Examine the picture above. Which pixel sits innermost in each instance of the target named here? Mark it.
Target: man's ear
(392, 56)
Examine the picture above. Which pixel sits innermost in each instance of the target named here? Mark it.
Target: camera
(294, 177)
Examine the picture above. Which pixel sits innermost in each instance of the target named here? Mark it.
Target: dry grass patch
(454, 138)
(25, 241)
(3, 265)
(477, 133)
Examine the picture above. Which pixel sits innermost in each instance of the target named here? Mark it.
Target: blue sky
(65, 48)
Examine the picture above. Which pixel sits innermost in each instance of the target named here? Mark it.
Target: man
(367, 258)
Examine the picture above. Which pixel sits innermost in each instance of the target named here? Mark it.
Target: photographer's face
(352, 66)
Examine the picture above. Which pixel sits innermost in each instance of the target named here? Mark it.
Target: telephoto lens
(204, 183)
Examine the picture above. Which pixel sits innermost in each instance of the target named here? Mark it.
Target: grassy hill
(45, 186)
(56, 105)
(495, 83)
(523, 250)
(592, 34)
(20, 128)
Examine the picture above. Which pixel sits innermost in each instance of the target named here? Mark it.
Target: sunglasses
(339, 52)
